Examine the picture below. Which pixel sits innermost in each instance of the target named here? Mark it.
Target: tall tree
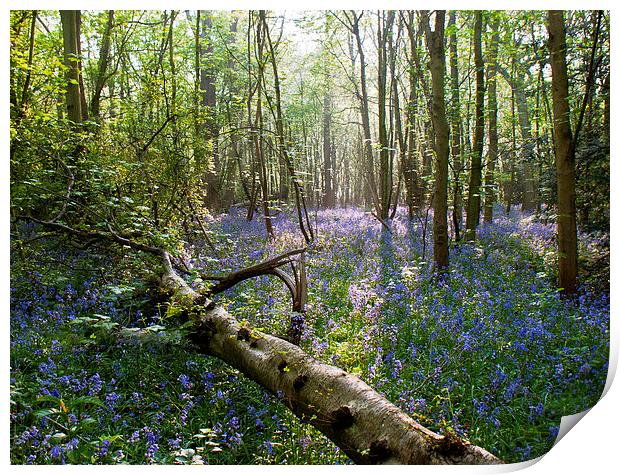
(489, 195)
(102, 68)
(401, 137)
(330, 194)
(329, 160)
(455, 120)
(257, 126)
(353, 24)
(386, 20)
(435, 43)
(410, 166)
(564, 156)
(71, 32)
(208, 76)
(475, 176)
(300, 200)
(25, 94)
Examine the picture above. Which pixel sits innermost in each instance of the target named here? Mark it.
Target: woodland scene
(306, 236)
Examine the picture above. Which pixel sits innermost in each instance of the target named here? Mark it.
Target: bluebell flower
(103, 448)
(185, 381)
(553, 432)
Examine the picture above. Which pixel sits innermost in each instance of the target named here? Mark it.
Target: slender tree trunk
(258, 126)
(104, 53)
(564, 157)
(26, 89)
(425, 145)
(475, 177)
(15, 33)
(259, 149)
(510, 182)
(330, 198)
(18, 109)
(300, 200)
(435, 42)
(606, 106)
(173, 79)
(209, 106)
(385, 174)
(70, 20)
(370, 185)
(84, 105)
(489, 194)
(251, 148)
(410, 165)
(427, 158)
(455, 117)
(401, 138)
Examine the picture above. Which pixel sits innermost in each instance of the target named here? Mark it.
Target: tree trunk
(564, 157)
(330, 198)
(300, 200)
(258, 132)
(84, 105)
(510, 187)
(102, 68)
(209, 103)
(370, 182)
(606, 106)
(25, 95)
(70, 20)
(435, 42)
(398, 126)
(455, 117)
(173, 76)
(410, 165)
(385, 169)
(489, 195)
(475, 177)
(365, 425)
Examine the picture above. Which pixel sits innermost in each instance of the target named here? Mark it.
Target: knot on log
(379, 451)
(282, 367)
(342, 418)
(450, 446)
(203, 331)
(243, 334)
(300, 382)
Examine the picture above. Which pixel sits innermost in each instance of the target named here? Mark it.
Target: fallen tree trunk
(364, 424)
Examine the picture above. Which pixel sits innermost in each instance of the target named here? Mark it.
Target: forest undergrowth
(490, 352)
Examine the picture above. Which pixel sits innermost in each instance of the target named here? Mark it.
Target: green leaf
(44, 412)
(83, 400)
(55, 400)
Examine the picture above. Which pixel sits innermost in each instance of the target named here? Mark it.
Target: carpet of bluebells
(490, 352)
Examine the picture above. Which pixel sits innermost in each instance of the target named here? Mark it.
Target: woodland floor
(491, 353)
